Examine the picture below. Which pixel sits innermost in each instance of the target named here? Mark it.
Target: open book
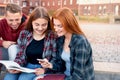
(15, 66)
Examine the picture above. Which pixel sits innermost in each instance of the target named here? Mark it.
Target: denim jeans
(3, 53)
(23, 76)
(3, 56)
(8, 53)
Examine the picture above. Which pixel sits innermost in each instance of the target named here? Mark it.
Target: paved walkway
(105, 41)
(107, 75)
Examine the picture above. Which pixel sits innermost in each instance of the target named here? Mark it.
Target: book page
(9, 63)
(15, 66)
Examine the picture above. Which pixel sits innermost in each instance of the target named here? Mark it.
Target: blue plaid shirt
(80, 57)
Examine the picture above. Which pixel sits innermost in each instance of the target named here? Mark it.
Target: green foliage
(94, 18)
(51, 12)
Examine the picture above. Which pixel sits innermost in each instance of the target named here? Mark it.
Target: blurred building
(2, 7)
(27, 5)
(52, 5)
(79, 7)
(99, 7)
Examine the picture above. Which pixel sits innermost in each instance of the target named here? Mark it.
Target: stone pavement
(105, 41)
(107, 76)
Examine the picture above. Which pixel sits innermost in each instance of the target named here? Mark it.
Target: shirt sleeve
(0, 36)
(20, 57)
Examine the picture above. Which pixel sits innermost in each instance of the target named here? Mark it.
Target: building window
(18, 2)
(59, 2)
(2, 11)
(8, 1)
(100, 10)
(85, 10)
(89, 9)
(64, 2)
(43, 3)
(36, 3)
(11, 1)
(117, 10)
(30, 3)
(71, 2)
(53, 3)
(104, 10)
(30, 10)
(48, 4)
(24, 3)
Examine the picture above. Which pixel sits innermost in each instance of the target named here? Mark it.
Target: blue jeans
(3, 53)
(3, 56)
(23, 76)
(9, 53)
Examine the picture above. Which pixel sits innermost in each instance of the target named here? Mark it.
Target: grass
(94, 19)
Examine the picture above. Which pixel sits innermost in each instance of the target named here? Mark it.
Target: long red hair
(68, 20)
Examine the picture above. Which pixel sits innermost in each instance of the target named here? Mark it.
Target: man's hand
(6, 44)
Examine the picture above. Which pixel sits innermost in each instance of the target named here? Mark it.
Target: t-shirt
(34, 51)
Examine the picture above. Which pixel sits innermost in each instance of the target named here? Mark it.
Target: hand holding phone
(42, 60)
(45, 63)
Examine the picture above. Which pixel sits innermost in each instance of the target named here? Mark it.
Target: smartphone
(41, 60)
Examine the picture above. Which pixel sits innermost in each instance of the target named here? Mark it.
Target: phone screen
(41, 60)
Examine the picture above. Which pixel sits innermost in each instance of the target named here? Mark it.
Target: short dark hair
(13, 8)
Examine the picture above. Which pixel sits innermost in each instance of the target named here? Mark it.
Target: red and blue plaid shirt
(25, 39)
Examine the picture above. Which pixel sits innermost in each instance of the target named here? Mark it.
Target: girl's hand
(39, 71)
(45, 63)
(13, 71)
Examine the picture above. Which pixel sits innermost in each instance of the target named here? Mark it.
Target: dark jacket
(80, 58)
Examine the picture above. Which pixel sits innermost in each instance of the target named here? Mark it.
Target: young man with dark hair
(10, 27)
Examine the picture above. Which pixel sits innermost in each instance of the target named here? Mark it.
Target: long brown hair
(68, 20)
(38, 12)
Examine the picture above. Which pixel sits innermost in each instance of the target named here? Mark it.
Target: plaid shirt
(80, 57)
(25, 39)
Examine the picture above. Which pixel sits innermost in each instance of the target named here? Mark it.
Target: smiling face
(13, 19)
(39, 26)
(59, 29)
